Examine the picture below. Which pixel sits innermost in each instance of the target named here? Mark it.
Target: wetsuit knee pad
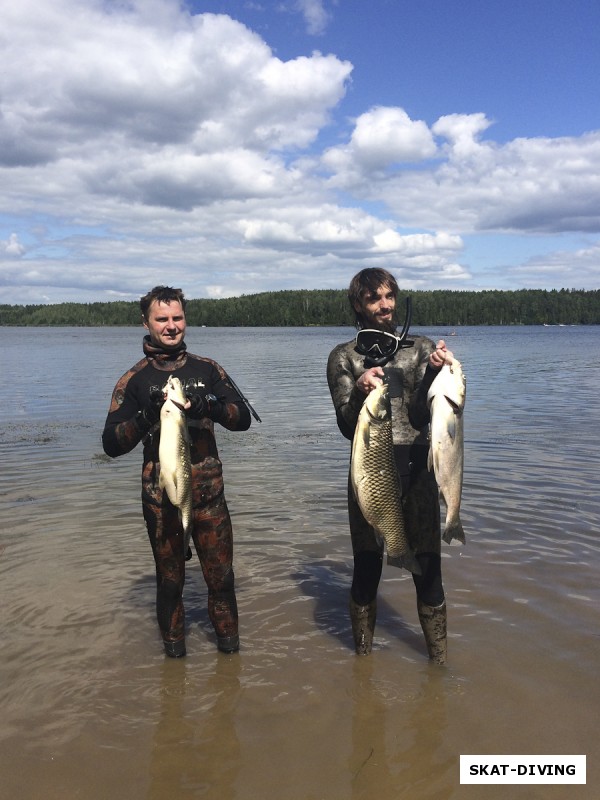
(367, 574)
(429, 583)
(220, 580)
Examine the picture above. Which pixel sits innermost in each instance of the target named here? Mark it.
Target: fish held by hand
(175, 475)
(446, 399)
(375, 480)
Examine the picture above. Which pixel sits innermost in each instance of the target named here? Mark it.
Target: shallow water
(91, 708)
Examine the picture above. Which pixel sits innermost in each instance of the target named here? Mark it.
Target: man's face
(166, 323)
(377, 308)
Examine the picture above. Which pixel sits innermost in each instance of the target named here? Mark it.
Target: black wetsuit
(212, 532)
(409, 376)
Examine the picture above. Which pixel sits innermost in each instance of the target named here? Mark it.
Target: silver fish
(175, 475)
(446, 399)
(375, 480)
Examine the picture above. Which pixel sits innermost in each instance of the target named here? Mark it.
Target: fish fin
(451, 427)
(407, 561)
(366, 436)
(186, 526)
(455, 402)
(454, 531)
(170, 488)
(378, 537)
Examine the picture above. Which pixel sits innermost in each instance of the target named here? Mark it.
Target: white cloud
(533, 185)
(390, 241)
(382, 137)
(12, 247)
(191, 84)
(140, 143)
(576, 269)
(315, 15)
(462, 132)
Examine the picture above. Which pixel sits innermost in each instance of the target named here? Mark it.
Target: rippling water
(91, 708)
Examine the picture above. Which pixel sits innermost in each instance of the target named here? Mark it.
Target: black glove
(205, 405)
(150, 413)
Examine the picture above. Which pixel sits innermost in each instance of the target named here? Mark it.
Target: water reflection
(414, 763)
(195, 750)
(84, 687)
(327, 582)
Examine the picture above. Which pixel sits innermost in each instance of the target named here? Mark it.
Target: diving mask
(377, 344)
(379, 347)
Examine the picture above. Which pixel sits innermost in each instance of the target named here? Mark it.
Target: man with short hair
(134, 416)
(353, 370)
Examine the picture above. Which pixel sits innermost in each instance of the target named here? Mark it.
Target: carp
(375, 480)
(446, 399)
(175, 475)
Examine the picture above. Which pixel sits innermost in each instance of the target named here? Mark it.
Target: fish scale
(375, 479)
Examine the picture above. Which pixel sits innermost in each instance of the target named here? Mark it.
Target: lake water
(90, 707)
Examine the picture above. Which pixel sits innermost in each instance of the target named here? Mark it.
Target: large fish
(175, 475)
(375, 480)
(446, 398)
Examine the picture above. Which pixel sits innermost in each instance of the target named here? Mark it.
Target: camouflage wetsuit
(409, 377)
(212, 532)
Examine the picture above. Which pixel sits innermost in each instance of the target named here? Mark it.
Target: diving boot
(223, 613)
(228, 644)
(175, 649)
(433, 623)
(363, 625)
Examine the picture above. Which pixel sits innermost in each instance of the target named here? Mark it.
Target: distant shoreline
(330, 308)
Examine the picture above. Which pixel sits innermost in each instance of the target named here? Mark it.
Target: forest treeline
(330, 307)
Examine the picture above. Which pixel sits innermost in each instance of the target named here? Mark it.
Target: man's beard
(387, 324)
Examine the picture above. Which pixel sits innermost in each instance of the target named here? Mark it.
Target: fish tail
(186, 521)
(407, 561)
(186, 524)
(454, 531)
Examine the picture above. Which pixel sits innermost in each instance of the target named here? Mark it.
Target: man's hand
(151, 411)
(204, 405)
(370, 380)
(440, 356)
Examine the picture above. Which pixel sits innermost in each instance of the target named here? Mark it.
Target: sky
(231, 148)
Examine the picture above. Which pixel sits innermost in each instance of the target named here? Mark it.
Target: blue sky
(238, 147)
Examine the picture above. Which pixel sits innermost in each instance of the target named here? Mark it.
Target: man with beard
(134, 416)
(353, 370)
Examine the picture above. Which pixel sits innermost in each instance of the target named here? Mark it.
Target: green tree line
(330, 307)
